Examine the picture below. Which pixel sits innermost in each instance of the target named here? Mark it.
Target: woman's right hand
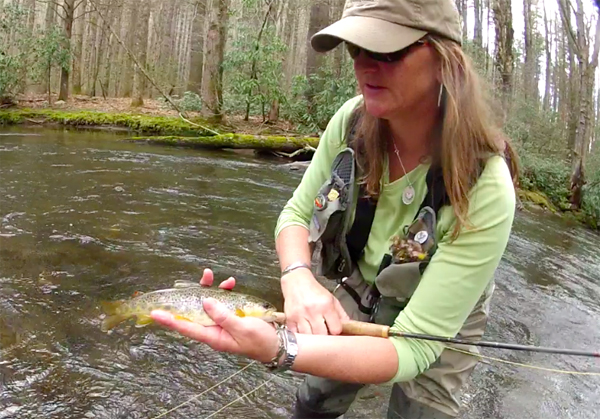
(309, 307)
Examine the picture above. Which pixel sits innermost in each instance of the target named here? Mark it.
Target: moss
(257, 142)
(537, 198)
(134, 122)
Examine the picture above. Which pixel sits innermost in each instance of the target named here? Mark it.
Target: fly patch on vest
(408, 258)
(330, 222)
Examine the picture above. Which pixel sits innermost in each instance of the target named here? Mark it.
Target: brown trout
(184, 301)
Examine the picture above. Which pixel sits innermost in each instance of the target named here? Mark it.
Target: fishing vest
(337, 246)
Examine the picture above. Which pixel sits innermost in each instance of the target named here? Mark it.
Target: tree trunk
(548, 49)
(478, 29)
(340, 51)
(49, 23)
(282, 34)
(214, 48)
(128, 65)
(319, 18)
(504, 47)
(78, 50)
(580, 44)
(195, 80)
(139, 80)
(69, 14)
(253, 74)
(530, 67)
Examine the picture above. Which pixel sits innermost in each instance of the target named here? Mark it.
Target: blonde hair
(469, 135)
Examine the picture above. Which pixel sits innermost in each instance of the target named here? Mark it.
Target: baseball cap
(390, 25)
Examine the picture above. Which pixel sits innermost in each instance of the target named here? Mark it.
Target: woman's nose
(364, 62)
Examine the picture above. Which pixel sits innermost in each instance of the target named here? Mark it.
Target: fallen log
(280, 144)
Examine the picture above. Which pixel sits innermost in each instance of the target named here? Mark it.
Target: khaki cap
(390, 25)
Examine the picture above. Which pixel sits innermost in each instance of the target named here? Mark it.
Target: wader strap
(358, 235)
(357, 298)
(436, 196)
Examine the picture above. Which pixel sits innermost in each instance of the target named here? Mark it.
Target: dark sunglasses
(389, 57)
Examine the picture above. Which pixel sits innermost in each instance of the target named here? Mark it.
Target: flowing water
(86, 217)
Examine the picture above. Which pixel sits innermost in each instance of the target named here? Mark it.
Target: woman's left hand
(246, 336)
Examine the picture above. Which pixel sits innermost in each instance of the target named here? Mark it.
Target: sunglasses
(389, 57)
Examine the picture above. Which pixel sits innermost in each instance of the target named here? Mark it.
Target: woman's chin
(377, 110)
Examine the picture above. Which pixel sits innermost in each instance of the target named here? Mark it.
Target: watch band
(291, 350)
(287, 352)
(293, 266)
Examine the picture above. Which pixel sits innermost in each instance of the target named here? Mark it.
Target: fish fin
(182, 283)
(111, 307)
(180, 317)
(111, 321)
(240, 313)
(143, 321)
(137, 293)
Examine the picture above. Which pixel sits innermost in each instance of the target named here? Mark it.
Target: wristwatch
(287, 352)
(293, 266)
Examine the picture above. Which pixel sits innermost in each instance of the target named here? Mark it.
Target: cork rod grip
(356, 328)
(351, 327)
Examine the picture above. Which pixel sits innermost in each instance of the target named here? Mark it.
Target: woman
(412, 233)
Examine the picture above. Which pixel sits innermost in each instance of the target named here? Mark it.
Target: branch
(197, 125)
(567, 23)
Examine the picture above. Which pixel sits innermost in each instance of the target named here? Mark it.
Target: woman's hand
(309, 307)
(208, 279)
(246, 336)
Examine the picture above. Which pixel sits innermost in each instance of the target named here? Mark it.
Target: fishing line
(240, 398)
(207, 390)
(519, 364)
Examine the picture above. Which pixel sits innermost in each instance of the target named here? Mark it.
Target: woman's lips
(370, 88)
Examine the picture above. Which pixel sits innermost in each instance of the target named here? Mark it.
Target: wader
(434, 394)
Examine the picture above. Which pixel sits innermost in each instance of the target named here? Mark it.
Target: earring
(440, 95)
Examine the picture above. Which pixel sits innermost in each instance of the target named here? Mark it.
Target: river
(86, 217)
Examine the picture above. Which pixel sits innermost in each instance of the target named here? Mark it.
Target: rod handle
(356, 328)
(351, 327)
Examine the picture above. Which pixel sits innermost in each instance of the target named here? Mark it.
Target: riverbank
(152, 124)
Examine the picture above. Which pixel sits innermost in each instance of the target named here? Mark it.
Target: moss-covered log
(273, 143)
(143, 124)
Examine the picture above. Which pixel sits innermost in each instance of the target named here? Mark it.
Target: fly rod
(356, 328)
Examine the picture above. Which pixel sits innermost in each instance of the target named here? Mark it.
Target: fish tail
(114, 317)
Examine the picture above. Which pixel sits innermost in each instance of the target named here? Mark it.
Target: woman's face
(392, 88)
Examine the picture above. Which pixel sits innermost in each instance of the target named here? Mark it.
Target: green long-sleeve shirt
(459, 271)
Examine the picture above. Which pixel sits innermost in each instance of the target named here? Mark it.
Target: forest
(251, 60)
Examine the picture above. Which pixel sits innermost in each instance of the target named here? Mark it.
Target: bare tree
(587, 61)
(504, 46)
(195, 78)
(319, 18)
(139, 80)
(548, 50)
(214, 50)
(530, 66)
(477, 28)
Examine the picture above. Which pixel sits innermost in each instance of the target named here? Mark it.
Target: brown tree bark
(587, 61)
(504, 46)
(530, 87)
(214, 50)
(69, 15)
(319, 18)
(548, 50)
(78, 46)
(195, 79)
(139, 80)
(477, 27)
